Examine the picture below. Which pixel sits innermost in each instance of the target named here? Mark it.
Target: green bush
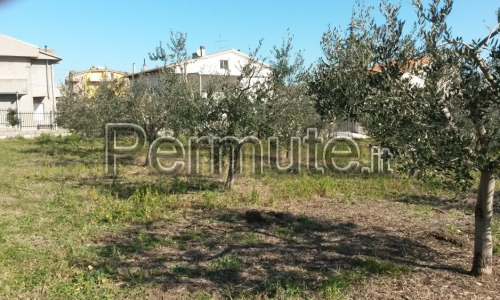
(12, 117)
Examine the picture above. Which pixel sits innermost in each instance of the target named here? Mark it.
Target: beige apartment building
(27, 82)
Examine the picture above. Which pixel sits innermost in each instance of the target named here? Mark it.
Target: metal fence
(30, 120)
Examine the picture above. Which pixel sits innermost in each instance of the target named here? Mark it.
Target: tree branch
(493, 32)
(477, 57)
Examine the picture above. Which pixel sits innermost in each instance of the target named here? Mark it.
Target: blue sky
(115, 34)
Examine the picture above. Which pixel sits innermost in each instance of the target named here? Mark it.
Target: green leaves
(12, 118)
(89, 115)
(424, 94)
(177, 47)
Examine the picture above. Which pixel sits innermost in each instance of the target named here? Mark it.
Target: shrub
(12, 118)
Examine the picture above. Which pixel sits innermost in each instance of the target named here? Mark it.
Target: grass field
(67, 230)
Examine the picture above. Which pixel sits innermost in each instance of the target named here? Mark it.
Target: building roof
(191, 60)
(15, 48)
(98, 70)
(409, 64)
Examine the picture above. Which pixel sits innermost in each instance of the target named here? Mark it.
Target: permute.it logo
(310, 153)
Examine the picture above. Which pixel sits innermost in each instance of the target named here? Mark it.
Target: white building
(26, 80)
(204, 66)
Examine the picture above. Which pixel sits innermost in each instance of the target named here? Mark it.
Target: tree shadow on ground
(68, 150)
(238, 252)
(460, 202)
(124, 189)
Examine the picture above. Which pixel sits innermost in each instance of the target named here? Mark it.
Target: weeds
(285, 289)
(246, 237)
(185, 271)
(187, 236)
(495, 232)
(282, 231)
(145, 205)
(451, 228)
(306, 223)
(336, 284)
(57, 205)
(227, 264)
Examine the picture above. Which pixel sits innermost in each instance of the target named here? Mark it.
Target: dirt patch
(244, 250)
(453, 239)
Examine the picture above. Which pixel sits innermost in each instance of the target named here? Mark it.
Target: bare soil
(302, 242)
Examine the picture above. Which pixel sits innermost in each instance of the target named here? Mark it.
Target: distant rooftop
(15, 48)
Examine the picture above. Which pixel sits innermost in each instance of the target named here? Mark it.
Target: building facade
(202, 67)
(86, 82)
(27, 80)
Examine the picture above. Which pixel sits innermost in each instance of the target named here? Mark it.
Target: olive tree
(164, 106)
(231, 107)
(429, 96)
(289, 109)
(88, 115)
(175, 53)
(264, 100)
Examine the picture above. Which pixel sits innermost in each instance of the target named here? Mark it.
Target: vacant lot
(69, 231)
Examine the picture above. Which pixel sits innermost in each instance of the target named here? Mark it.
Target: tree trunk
(151, 138)
(483, 244)
(150, 145)
(233, 163)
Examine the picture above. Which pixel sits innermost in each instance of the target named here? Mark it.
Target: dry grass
(69, 231)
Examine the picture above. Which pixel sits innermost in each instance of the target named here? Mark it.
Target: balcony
(13, 86)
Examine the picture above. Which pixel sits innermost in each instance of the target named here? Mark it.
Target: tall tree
(178, 53)
(430, 97)
(161, 107)
(88, 116)
(289, 109)
(231, 108)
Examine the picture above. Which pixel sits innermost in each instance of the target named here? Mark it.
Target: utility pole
(17, 110)
(220, 40)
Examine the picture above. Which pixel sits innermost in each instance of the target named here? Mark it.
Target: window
(224, 64)
(94, 77)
